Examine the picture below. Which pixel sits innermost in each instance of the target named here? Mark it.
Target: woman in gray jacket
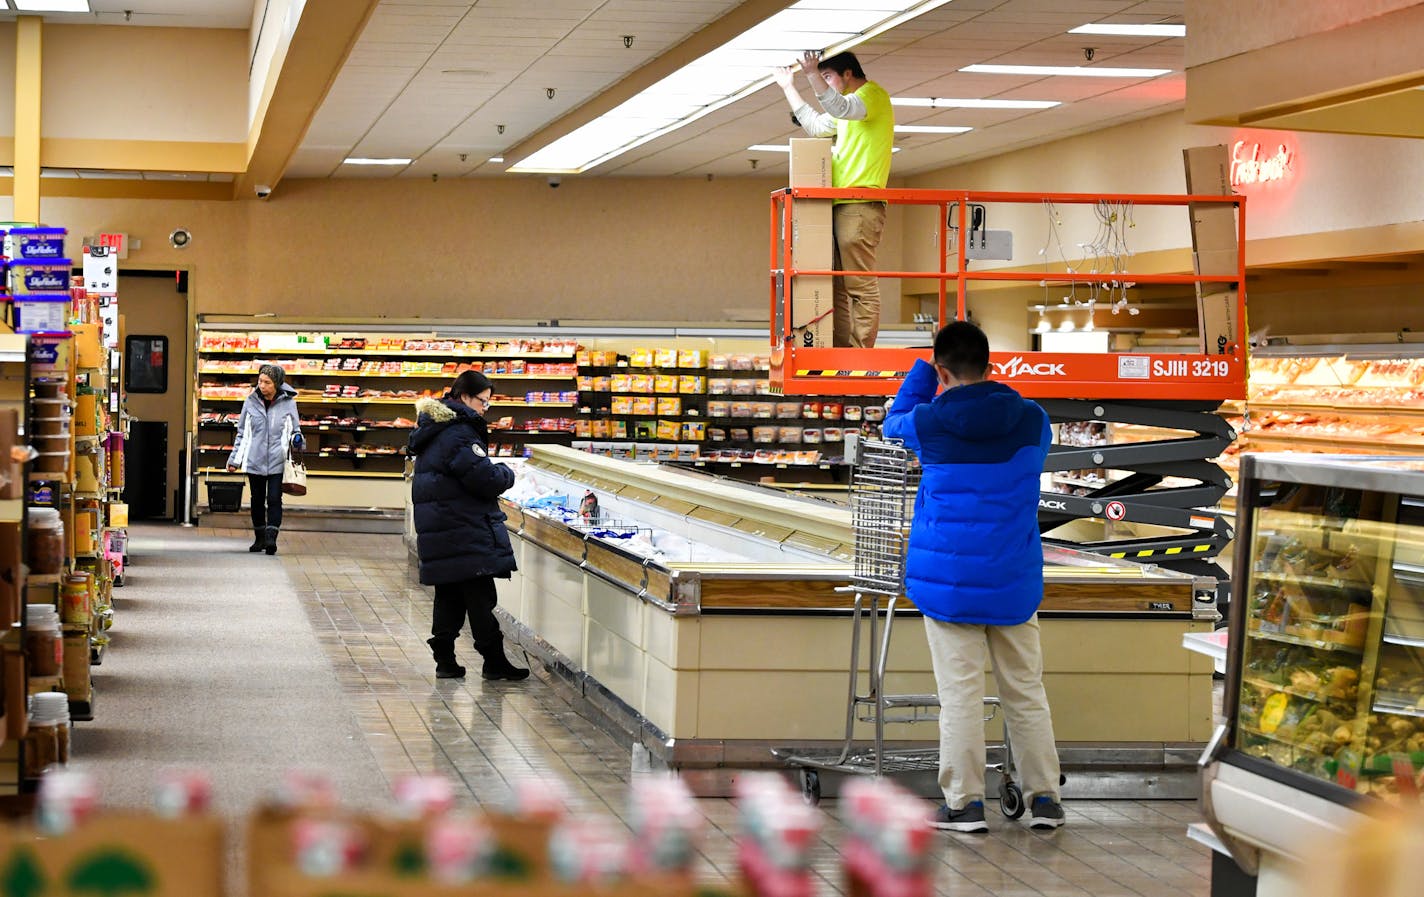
(267, 429)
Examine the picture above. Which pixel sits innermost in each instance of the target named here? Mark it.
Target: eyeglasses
(484, 402)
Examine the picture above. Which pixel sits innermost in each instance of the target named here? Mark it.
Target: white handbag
(294, 475)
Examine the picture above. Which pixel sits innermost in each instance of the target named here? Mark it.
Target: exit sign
(117, 244)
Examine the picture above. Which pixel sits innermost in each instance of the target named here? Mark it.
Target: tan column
(27, 118)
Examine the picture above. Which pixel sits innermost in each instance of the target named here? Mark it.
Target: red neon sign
(1247, 166)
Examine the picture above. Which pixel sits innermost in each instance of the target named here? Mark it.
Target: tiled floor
(371, 617)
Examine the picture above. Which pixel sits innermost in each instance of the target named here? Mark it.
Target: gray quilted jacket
(265, 431)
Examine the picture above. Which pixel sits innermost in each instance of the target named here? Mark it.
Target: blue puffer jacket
(975, 554)
(264, 432)
(459, 528)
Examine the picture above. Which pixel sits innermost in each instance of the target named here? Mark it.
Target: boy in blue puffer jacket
(975, 567)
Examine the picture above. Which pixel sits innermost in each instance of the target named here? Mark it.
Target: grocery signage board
(1034, 374)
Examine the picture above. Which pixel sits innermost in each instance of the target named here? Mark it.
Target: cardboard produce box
(1214, 245)
(117, 853)
(810, 162)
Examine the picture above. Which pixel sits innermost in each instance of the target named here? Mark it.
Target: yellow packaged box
(665, 383)
(693, 384)
(645, 405)
(692, 358)
(665, 358)
(118, 514)
(620, 383)
(669, 429)
(694, 430)
(669, 405)
(641, 358)
(622, 404)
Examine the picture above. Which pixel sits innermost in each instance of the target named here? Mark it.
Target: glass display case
(1325, 679)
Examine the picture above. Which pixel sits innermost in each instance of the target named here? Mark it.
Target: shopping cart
(884, 479)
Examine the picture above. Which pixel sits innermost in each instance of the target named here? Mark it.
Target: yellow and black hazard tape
(1162, 552)
(879, 374)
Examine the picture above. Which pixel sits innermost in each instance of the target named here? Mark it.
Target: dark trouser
(266, 499)
(454, 601)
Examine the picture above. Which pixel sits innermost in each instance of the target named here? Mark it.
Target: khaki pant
(858, 227)
(959, 652)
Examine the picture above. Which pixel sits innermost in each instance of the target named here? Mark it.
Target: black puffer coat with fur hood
(459, 528)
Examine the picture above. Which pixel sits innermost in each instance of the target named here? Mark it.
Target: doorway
(155, 304)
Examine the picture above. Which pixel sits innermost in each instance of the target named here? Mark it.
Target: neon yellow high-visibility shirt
(863, 147)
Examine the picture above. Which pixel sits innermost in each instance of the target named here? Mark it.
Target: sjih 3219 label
(1191, 367)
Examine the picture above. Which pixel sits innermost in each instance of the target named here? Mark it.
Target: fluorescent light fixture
(1069, 71)
(357, 160)
(930, 129)
(943, 103)
(496, 159)
(737, 69)
(1131, 30)
(52, 5)
(786, 147)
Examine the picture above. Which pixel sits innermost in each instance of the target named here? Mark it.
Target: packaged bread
(763, 409)
(719, 386)
(717, 362)
(743, 387)
(788, 410)
(789, 434)
(740, 434)
(739, 363)
(741, 409)
(719, 408)
(716, 434)
(764, 434)
(669, 406)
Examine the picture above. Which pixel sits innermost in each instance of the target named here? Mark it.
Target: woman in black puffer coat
(459, 528)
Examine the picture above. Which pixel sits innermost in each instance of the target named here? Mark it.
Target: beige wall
(7, 79)
(1217, 29)
(666, 249)
(184, 84)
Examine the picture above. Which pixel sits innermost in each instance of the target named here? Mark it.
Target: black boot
(271, 546)
(497, 666)
(445, 665)
(259, 539)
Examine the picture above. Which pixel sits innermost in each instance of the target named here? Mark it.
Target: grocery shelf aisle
(334, 629)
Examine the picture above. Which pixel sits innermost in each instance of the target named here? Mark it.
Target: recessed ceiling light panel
(945, 103)
(1063, 71)
(358, 160)
(51, 5)
(1131, 30)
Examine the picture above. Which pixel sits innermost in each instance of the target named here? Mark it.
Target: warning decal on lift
(1149, 552)
(884, 374)
(1115, 510)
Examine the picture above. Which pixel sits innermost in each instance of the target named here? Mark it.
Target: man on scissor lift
(858, 113)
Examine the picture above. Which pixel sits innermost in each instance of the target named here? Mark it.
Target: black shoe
(271, 546)
(499, 667)
(969, 819)
(259, 539)
(448, 669)
(1046, 813)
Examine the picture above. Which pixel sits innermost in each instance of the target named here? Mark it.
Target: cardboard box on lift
(1214, 245)
(812, 243)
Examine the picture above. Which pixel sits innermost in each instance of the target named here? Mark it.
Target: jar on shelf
(75, 598)
(43, 645)
(46, 541)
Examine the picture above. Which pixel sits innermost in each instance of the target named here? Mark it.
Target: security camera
(262, 190)
(554, 182)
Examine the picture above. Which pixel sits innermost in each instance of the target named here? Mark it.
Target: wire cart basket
(884, 480)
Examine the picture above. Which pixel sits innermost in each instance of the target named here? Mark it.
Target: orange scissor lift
(1171, 391)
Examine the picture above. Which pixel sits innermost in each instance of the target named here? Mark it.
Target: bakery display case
(1324, 698)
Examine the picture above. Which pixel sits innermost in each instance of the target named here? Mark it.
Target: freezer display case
(1324, 701)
